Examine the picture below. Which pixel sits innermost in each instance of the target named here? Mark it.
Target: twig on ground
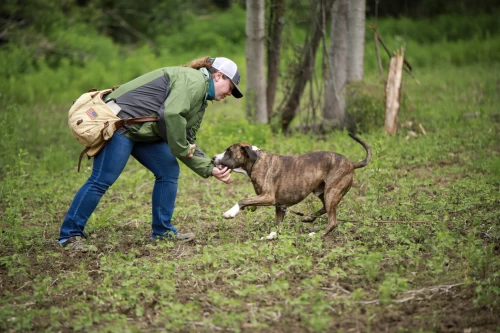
(357, 221)
(402, 300)
(132, 221)
(177, 255)
(202, 324)
(414, 293)
(24, 285)
(422, 129)
(435, 288)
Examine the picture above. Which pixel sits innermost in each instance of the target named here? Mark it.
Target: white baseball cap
(229, 68)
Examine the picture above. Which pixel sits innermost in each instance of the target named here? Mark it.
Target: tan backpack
(93, 121)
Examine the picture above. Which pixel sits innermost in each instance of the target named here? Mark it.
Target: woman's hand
(224, 175)
(191, 151)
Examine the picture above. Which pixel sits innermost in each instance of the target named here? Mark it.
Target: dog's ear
(252, 155)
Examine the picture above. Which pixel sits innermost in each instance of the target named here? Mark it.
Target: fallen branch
(414, 293)
(422, 129)
(400, 221)
(446, 287)
(357, 221)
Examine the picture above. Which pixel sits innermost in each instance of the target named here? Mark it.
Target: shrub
(365, 105)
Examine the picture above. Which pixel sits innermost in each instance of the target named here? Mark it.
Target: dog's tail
(364, 162)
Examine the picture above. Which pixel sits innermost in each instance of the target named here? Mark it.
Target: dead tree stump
(393, 92)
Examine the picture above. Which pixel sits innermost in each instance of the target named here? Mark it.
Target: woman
(178, 96)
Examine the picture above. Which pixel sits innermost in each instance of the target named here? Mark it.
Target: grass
(441, 275)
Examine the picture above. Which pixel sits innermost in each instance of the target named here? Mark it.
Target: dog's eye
(228, 152)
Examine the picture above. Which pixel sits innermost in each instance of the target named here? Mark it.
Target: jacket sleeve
(200, 163)
(177, 107)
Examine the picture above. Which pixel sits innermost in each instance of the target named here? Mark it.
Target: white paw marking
(232, 212)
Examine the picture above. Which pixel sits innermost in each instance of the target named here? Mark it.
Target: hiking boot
(77, 244)
(187, 237)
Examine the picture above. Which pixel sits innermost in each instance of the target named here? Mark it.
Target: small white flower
(272, 235)
(312, 233)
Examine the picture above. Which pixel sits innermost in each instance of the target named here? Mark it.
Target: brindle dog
(284, 181)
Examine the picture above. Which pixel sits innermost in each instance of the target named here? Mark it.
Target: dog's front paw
(227, 215)
(232, 212)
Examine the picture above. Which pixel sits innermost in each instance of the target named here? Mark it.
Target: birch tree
(256, 79)
(346, 58)
(334, 111)
(356, 19)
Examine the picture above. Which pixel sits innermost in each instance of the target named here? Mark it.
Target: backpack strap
(81, 156)
(132, 121)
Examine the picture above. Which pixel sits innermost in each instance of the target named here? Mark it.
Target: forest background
(417, 248)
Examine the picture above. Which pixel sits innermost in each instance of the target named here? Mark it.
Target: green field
(417, 248)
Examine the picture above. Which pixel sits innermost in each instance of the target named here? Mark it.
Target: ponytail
(202, 62)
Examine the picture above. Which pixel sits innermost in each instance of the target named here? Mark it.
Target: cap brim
(236, 92)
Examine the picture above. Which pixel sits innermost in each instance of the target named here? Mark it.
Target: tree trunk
(334, 111)
(356, 23)
(256, 78)
(276, 22)
(393, 92)
(306, 67)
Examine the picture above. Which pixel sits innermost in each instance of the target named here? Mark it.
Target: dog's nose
(213, 159)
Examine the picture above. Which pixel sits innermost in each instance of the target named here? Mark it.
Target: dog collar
(251, 168)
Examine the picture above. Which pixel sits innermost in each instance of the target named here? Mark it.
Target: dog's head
(237, 157)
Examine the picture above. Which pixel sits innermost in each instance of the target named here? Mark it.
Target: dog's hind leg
(309, 219)
(332, 199)
(332, 221)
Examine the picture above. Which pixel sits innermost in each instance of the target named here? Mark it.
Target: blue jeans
(108, 165)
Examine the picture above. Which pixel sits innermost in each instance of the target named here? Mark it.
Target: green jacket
(177, 95)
